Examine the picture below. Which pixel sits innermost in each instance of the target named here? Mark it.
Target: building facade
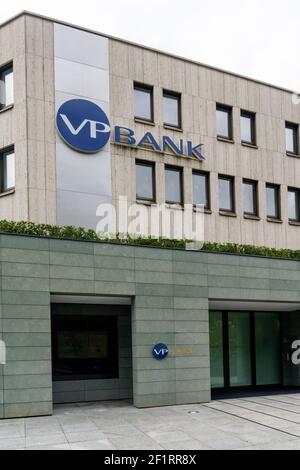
(87, 119)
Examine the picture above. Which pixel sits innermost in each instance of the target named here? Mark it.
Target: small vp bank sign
(85, 127)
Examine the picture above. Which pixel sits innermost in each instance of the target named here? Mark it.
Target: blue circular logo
(160, 351)
(83, 125)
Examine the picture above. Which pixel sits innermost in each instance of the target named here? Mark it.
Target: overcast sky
(257, 38)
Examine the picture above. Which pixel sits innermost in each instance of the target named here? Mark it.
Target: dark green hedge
(73, 233)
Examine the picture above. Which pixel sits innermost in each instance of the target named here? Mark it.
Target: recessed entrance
(245, 350)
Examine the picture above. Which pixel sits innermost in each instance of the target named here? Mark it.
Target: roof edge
(148, 48)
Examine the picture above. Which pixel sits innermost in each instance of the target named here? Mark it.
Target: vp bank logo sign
(83, 125)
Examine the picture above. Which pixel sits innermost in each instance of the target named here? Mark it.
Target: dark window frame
(4, 69)
(3, 152)
(206, 174)
(231, 179)
(296, 191)
(178, 96)
(295, 128)
(178, 169)
(254, 185)
(252, 117)
(229, 111)
(150, 90)
(153, 166)
(277, 202)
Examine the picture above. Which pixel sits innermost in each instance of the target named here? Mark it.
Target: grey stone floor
(265, 422)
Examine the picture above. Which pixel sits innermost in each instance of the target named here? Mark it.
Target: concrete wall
(105, 389)
(171, 291)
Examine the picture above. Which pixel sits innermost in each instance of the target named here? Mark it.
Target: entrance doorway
(245, 350)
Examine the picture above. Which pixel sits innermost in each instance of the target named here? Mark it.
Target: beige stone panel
(242, 93)
(218, 87)
(121, 98)
(209, 152)
(7, 204)
(221, 163)
(49, 92)
(230, 90)
(236, 118)
(136, 70)
(19, 79)
(123, 174)
(160, 183)
(280, 236)
(211, 113)
(35, 76)
(214, 194)
(48, 34)
(50, 166)
(262, 200)
(20, 121)
(21, 165)
(51, 208)
(12, 40)
(34, 35)
(36, 165)
(199, 116)
(231, 159)
(178, 75)
(50, 130)
(150, 67)
(276, 97)
(291, 111)
(210, 227)
(191, 79)
(265, 99)
(284, 203)
(270, 234)
(20, 205)
(205, 83)
(187, 186)
(119, 59)
(291, 171)
(187, 114)
(36, 117)
(267, 165)
(158, 109)
(165, 72)
(253, 96)
(278, 166)
(239, 197)
(222, 229)
(37, 206)
(261, 130)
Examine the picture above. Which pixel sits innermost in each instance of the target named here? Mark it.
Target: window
(201, 189)
(273, 204)
(172, 109)
(145, 181)
(6, 86)
(84, 346)
(143, 102)
(224, 122)
(7, 170)
(291, 135)
(174, 189)
(226, 194)
(250, 198)
(248, 128)
(294, 204)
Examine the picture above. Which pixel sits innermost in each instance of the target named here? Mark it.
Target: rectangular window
(174, 186)
(201, 189)
(224, 122)
(248, 128)
(84, 346)
(292, 140)
(226, 194)
(6, 86)
(294, 204)
(273, 201)
(145, 181)
(172, 109)
(143, 102)
(7, 170)
(250, 197)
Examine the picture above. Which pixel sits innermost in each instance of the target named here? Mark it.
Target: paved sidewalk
(264, 422)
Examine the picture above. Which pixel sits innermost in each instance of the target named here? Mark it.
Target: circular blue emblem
(160, 351)
(83, 125)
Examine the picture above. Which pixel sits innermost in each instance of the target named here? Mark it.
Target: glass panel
(171, 110)
(216, 349)
(144, 182)
(142, 104)
(173, 186)
(223, 117)
(272, 206)
(290, 139)
(267, 339)
(239, 349)
(292, 205)
(249, 191)
(246, 129)
(225, 199)
(8, 171)
(200, 189)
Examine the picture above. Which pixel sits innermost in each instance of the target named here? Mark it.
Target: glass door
(240, 366)
(267, 345)
(216, 349)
